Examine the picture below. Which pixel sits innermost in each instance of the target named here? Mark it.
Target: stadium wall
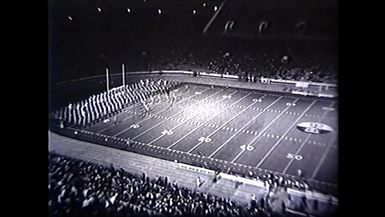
(300, 87)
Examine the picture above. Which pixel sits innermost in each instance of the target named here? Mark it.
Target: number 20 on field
(295, 156)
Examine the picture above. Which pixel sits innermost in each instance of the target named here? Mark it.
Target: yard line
(130, 116)
(199, 126)
(159, 137)
(182, 124)
(322, 159)
(244, 126)
(218, 128)
(303, 143)
(287, 131)
(178, 113)
(182, 110)
(155, 113)
(260, 133)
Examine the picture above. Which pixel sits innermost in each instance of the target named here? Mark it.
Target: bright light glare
(207, 108)
(128, 10)
(159, 11)
(69, 17)
(204, 4)
(215, 8)
(194, 11)
(99, 9)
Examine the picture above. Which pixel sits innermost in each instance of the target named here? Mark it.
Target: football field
(257, 130)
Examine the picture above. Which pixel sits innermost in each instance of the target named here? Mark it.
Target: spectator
(79, 188)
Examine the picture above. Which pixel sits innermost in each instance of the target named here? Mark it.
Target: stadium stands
(79, 188)
(89, 36)
(271, 59)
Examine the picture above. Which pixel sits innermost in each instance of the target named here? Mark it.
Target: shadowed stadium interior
(208, 108)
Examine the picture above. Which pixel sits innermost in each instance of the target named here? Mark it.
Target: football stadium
(193, 108)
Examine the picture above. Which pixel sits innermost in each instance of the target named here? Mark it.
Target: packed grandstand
(80, 188)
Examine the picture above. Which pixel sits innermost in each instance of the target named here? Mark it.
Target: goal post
(123, 76)
(107, 80)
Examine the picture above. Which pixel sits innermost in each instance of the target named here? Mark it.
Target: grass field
(256, 129)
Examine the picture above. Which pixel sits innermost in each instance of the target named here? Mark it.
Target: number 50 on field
(295, 156)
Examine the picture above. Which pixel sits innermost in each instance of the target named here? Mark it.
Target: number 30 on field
(295, 156)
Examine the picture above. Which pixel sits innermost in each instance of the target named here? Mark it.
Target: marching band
(99, 106)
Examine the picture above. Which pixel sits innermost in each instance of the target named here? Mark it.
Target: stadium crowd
(110, 102)
(79, 188)
(89, 36)
(269, 61)
(273, 181)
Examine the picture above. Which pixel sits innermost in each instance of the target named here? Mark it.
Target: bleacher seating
(79, 188)
(88, 36)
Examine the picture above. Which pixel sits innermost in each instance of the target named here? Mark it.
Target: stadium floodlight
(128, 10)
(99, 9)
(215, 8)
(70, 18)
(194, 11)
(300, 26)
(159, 11)
(204, 4)
(263, 26)
(229, 25)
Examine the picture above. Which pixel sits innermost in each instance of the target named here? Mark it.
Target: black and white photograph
(220, 108)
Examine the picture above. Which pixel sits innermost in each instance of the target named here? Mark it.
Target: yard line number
(167, 132)
(204, 139)
(294, 156)
(247, 147)
(290, 104)
(135, 126)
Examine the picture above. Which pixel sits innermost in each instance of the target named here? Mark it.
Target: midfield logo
(314, 128)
